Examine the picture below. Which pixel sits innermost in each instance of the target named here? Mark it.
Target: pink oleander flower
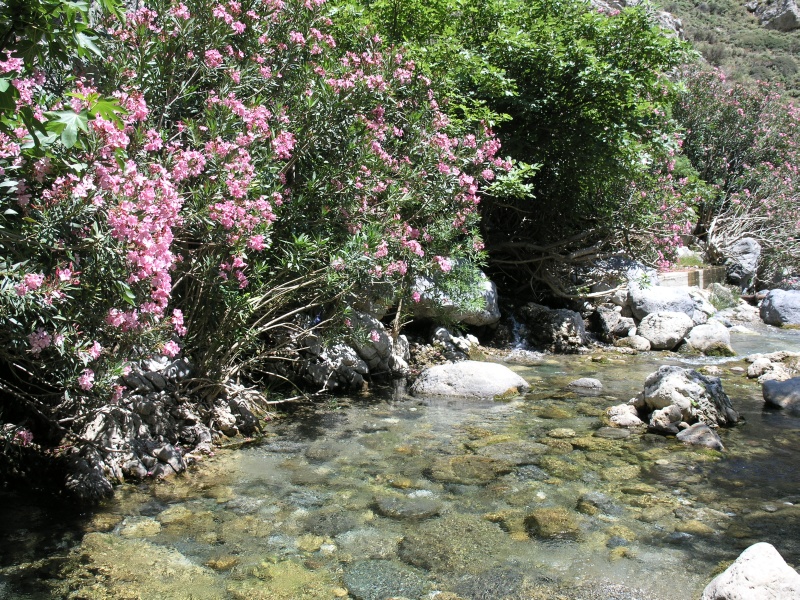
(375, 336)
(445, 264)
(415, 296)
(39, 340)
(177, 322)
(86, 380)
(23, 437)
(95, 350)
(213, 58)
(170, 349)
(30, 282)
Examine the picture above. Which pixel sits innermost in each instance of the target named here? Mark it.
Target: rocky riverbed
(393, 496)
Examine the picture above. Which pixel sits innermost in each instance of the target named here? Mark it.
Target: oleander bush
(221, 170)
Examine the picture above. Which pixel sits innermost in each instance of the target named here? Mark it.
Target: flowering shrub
(248, 171)
(742, 141)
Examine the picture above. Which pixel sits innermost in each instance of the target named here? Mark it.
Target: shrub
(250, 172)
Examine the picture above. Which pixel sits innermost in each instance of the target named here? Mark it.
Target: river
(391, 496)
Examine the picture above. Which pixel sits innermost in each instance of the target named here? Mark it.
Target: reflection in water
(404, 497)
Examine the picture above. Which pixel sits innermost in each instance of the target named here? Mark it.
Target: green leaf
(67, 123)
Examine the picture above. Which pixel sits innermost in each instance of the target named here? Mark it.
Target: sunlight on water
(397, 496)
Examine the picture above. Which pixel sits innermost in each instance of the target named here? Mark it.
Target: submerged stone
(456, 543)
(381, 579)
(407, 507)
(554, 523)
(468, 469)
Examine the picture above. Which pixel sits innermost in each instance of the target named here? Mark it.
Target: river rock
(435, 304)
(610, 323)
(783, 394)
(636, 342)
(588, 384)
(648, 300)
(721, 296)
(781, 307)
(699, 398)
(665, 330)
(552, 523)
(469, 379)
(556, 330)
(758, 367)
(468, 469)
(760, 573)
(701, 434)
(335, 368)
(624, 415)
(368, 543)
(407, 507)
(454, 543)
(711, 338)
(741, 261)
(381, 579)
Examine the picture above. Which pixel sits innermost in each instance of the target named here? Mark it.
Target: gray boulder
(711, 338)
(699, 398)
(701, 434)
(760, 573)
(635, 342)
(610, 323)
(648, 300)
(781, 16)
(434, 303)
(741, 261)
(781, 307)
(783, 394)
(557, 330)
(665, 330)
(469, 379)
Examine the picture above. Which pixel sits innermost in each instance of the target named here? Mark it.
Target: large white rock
(469, 379)
(434, 303)
(647, 300)
(781, 307)
(783, 394)
(665, 330)
(699, 398)
(760, 573)
(711, 338)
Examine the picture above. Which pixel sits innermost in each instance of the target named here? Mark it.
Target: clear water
(384, 496)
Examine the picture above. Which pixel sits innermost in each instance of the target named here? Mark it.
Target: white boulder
(469, 379)
(699, 398)
(711, 338)
(760, 573)
(665, 330)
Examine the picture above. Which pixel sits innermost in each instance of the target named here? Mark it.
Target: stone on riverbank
(760, 573)
(700, 398)
(665, 330)
(557, 330)
(701, 434)
(712, 339)
(648, 300)
(434, 303)
(781, 307)
(783, 394)
(469, 379)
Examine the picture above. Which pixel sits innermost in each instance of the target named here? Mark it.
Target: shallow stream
(391, 496)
